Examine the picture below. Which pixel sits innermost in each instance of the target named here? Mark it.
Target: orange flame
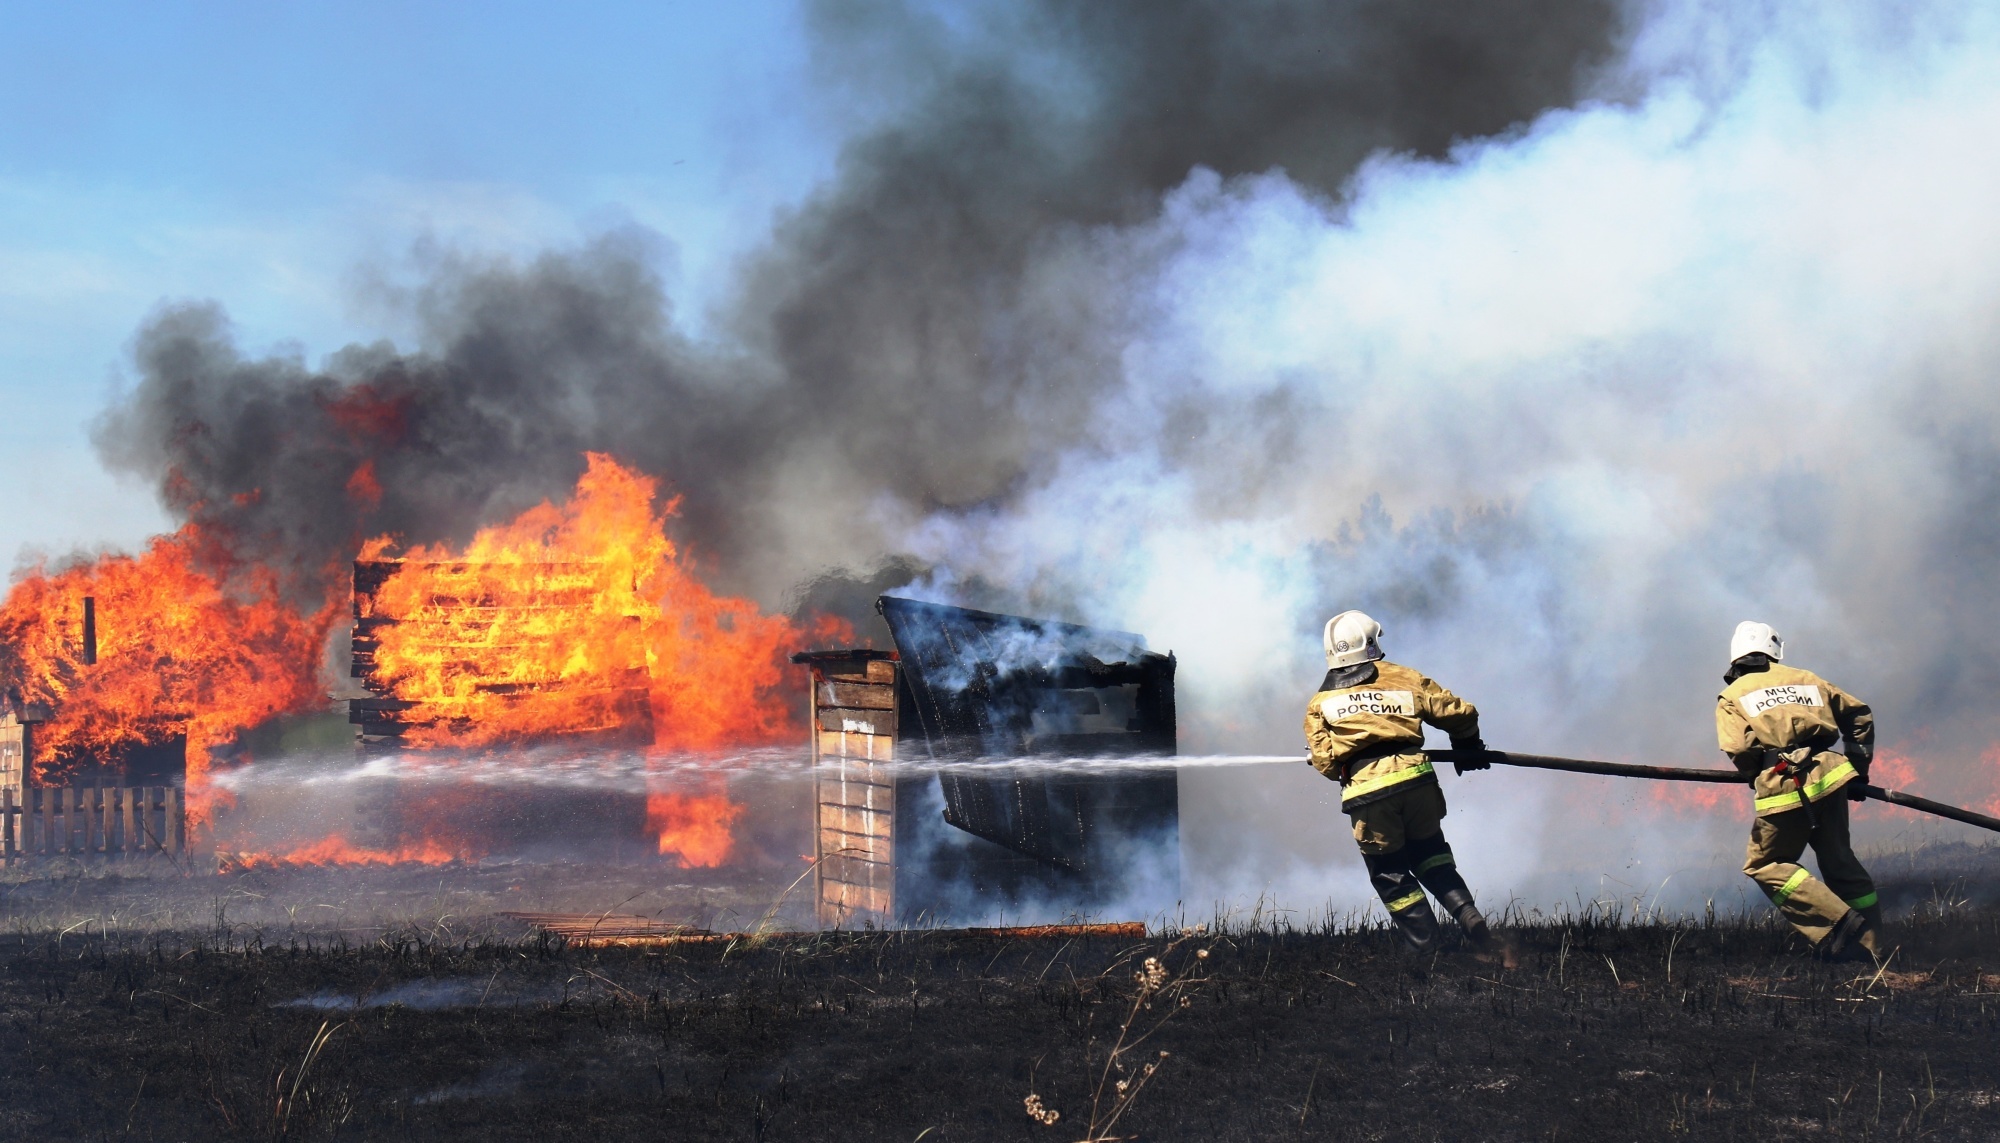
(583, 620)
(695, 828)
(179, 652)
(334, 850)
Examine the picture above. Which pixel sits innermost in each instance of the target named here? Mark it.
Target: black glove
(1469, 754)
(1857, 790)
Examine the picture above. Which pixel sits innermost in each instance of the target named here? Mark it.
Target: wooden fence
(101, 822)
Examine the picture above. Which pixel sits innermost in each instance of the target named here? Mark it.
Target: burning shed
(991, 763)
(470, 653)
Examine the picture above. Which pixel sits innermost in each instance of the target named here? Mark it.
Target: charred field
(1606, 1028)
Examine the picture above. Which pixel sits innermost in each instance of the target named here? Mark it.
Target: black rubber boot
(1458, 903)
(1419, 927)
(1845, 941)
(1404, 897)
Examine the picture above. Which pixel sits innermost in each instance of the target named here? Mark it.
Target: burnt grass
(1713, 1029)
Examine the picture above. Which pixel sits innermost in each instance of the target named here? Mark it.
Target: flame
(363, 488)
(334, 850)
(583, 619)
(694, 828)
(179, 652)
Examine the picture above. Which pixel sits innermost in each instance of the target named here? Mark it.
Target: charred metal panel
(986, 689)
(987, 685)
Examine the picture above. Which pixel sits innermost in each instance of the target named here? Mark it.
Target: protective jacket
(1779, 723)
(1369, 736)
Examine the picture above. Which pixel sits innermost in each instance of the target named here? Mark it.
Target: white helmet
(1753, 638)
(1352, 637)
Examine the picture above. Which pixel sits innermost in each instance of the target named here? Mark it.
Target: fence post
(7, 826)
(177, 810)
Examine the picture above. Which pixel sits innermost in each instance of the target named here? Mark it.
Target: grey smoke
(935, 329)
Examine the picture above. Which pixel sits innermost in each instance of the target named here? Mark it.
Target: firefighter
(1777, 724)
(1365, 729)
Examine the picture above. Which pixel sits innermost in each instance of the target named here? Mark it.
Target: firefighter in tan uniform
(1365, 729)
(1777, 724)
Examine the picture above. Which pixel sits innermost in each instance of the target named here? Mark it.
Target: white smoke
(1560, 410)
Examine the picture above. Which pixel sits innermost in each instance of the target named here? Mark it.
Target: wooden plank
(844, 904)
(852, 770)
(855, 671)
(857, 870)
(853, 871)
(841, 889)
(94, 832)
(867, 747)
(6, 825)
(867, 847)
(863, 696)
(177, 819)
(846, 870)
(859, 795)
(859, 899)
(129, 828)
(848, 819)
(850, 720)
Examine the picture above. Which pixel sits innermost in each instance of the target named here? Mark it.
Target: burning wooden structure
(102, 822)
(971, 770)
(17, 743)
(129, 805)
(140, 764)
(484, 654)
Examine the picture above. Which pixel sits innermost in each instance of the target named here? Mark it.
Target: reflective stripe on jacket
(1370, 738)
(1791, 716)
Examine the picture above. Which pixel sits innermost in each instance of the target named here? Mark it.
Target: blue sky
(272, 156)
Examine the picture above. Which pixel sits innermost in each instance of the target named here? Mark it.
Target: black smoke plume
(933, 328)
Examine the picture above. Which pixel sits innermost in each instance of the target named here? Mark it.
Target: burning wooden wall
(161, 763)
(17, 744)
(1003, 724)
(473, 653)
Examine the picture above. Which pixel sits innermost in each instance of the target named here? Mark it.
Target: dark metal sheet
(984, 686)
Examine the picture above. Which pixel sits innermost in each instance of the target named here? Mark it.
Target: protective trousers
(1814, 908)
(1402, 843)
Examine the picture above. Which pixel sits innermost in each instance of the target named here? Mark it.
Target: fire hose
(1730, 777)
